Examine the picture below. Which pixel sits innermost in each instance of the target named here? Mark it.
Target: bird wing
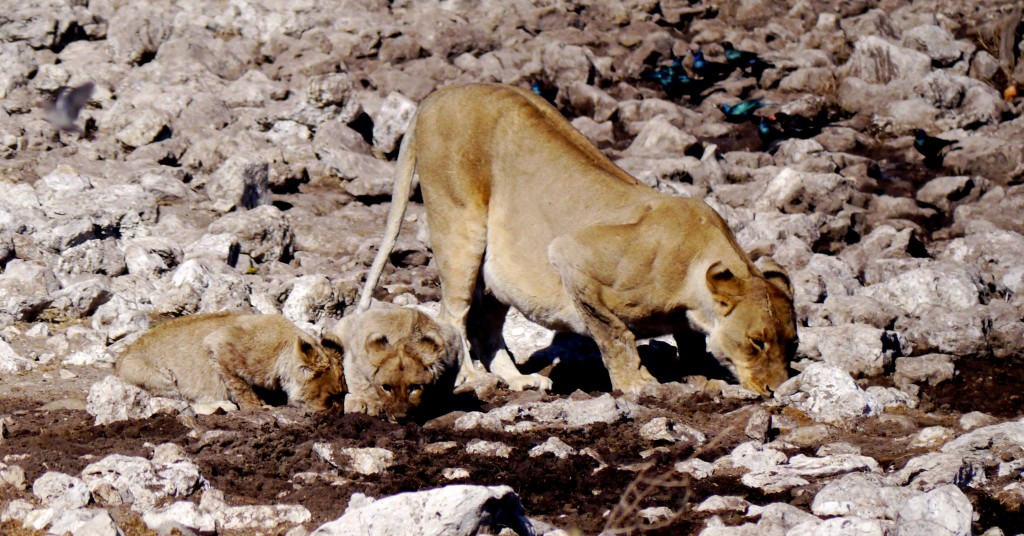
(79, 96)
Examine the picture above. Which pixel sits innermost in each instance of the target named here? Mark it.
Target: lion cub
(396, 360)
(224, 356)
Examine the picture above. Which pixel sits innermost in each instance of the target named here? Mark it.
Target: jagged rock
(859, 349)
(11, 362)
(975, 419)
(263, 233)
(185, 517)
(878, 61)
(60, 491)
(11, 475)
(841, 526)
(26, 288)
(931, 437)
(395, 115)
(199, 286)
(793, 191)
(92, 521)
(777, 478)
(935, 328)
(495, 449)
(951, 285)
(719, 503)
(262, 518)
(565, 413)
(365, 461)
(553, 446)
(136, 31)
(658, 137)
(864, 495)
(311, 298)
(775, 518)
(841, 310)
(827, 393)
(664, 429)
(451, 511)
(130, 480)
(944, 511)
(111, 400)
(241, 183)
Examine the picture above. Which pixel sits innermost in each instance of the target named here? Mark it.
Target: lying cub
(223, 356)
(397, 360)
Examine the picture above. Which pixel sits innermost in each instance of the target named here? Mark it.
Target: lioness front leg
(484, 328)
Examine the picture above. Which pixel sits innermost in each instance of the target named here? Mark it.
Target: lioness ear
(776, 275)
(722, 282)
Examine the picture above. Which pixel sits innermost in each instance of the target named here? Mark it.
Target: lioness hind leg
(484, 330)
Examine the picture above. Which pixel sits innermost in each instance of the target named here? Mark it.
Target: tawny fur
(396, 359)
(222, 356)
(523, 211)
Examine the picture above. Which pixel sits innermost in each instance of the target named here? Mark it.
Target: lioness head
(401, 357)
(319, 380)
(756, 331)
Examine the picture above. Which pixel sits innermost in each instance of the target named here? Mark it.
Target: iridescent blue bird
(674, 80)
(931, 147)
(544, 91)
(742, 59)
(742, 111)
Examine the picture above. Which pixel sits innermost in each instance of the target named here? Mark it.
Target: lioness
(396, 359)
(222, 356)
(523, 211)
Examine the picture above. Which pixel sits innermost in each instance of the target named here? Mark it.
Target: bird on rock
(798, 126)
(63, 108)
(742, 111)
(745, 60)
(933, 149)
(710, 70)
(544, 91)
(674, 80)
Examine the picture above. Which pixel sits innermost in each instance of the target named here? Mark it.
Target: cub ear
(722, 283)
(776, 275)
(307, 351)
(433, 346)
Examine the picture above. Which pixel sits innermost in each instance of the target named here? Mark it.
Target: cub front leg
(229, 360)
(613, 337)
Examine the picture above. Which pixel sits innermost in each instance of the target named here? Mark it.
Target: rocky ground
(237, 155)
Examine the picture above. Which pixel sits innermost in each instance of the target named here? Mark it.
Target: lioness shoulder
(525, 212)
(397, 360)
(224, 356)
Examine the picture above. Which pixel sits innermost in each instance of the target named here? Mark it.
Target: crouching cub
(224, 356)
(397, 360)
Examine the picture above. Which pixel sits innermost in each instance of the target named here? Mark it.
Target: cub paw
(529, 381)
(358, 404)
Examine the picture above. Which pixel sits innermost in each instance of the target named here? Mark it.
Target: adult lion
(523, 211)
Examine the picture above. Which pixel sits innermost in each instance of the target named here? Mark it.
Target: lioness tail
(399, 201)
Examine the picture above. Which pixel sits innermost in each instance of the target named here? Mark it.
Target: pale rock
(565, 64)
(150, 256)
(716, 504)
(182, 516)
(560, 449)
(758, 425)
(932, 437)
(946, 193)
(931, 368)
(223, 247)
(859, 349)
(457, 510)
(16, 510)
(310, 299)
(143, 127)
(659, 137)
(944, 284)
(11, 475)
(655, 514)
(664, 429)
(933, 469)
(366, 175)
(935, 41)
(136, 31)
(827, 394)
(975, 419)
(944, 511)
(591, 102)
(392, 121)
(90, 521)
(365, 461)
(562, 413)
(842, 526)
(865, 495)
(11, 362)
(90, 354)
(60, 491)
(823, 276)
(777, 478)
(878, 61)
(455, 473)
(775, 518)
(937, 329)
(841, 310)
(25, 289)
(111, 400)
(889, 398)
(995, 252)
(131, 480)
(494, 449)
(695, 468)
(251, 518)
(792, 191)
(239, 183)
(263, 233)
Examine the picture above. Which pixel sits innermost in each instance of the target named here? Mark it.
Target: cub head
(405, 356)
(756, 329)
(319, 381)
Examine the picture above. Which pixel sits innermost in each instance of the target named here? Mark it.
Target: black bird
(710, 70)
(544, 91)
(745, 60)
(931, 147)
(798, 126)
(742, 111)
(62, 110)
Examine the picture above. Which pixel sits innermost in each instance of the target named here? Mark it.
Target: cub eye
(759, 344)
(415, 388)
(387, 387)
